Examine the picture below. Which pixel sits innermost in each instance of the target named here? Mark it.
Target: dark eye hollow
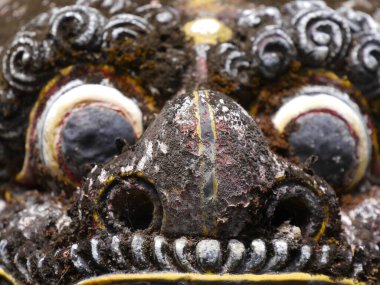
(297, 205)
(88, 136)
(133, 204)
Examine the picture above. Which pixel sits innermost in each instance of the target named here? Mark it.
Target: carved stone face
(148, 144)
(207, 171)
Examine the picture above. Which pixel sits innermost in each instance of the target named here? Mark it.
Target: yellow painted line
(98, 221)
(5, 276)
(324, 223)
(200, 152)
(215, 184)
(213, 128)
(190, 277)
(199, 132)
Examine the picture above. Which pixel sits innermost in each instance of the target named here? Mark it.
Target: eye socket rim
(32, 171)
(131, 182)
(47, 127)
(46, 137)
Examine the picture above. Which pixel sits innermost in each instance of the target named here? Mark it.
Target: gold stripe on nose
(206, 131)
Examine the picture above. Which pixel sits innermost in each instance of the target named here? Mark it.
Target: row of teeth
(136, 253)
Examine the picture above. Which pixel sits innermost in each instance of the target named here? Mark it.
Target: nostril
(293, 210)
(133, 204)
(297, 206)
(134, 207)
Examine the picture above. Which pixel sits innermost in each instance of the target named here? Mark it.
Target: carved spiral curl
(252, 18)
(22, 62)
(124, 26)
(112, 6)
(294, 7)
(161, 16)
(323, 37)
(364, 64)
(358, 21)
(76, 28)
(272, 50)
(234, 62)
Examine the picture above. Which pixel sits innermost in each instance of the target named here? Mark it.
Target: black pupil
(89, 135)
(327, 137)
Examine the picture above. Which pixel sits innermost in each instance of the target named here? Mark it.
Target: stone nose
(209, 163)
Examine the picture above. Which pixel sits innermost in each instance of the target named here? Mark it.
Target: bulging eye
(77, 124)
(82, 125)
(322, 121)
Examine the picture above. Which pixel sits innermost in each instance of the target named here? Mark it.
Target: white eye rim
(324, 98)
(58, 106)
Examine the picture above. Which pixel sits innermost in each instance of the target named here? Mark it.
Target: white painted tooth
(236, 255)
(115, 248)
(95, 251)
(4, 255)
(138, 254)
(306, 253)
(358, 269)
(78, 261)
(209, 256)
(280, 255)
(324, 256)
(21, 268)
(29, 264)
(303, 259)
(41, 261)
(180, 256)
(256, 256)
(161, 249)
